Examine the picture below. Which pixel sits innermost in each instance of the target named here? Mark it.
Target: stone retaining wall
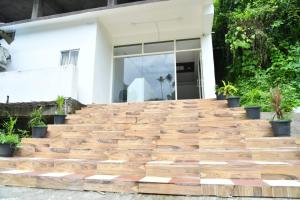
(50, 107)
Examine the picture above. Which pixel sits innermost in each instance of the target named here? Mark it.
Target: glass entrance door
(157, 71)
(144, 78)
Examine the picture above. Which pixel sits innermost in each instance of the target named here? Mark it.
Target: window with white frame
(69, 57)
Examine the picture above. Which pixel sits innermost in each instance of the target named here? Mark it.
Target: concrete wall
(40, 49)
(103, 67)
(36, 85)
(208, 69)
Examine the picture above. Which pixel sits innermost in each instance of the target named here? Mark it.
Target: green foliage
(256, 97)
(9, 125)
(8, 135)
(60, 101)
(36, 118)
(23, 133)
(227, 89)
(9, 139)
(261, 39)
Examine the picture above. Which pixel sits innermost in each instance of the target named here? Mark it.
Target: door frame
(174, 52)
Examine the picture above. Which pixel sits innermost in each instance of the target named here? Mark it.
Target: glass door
(144, 78)
(157, 71)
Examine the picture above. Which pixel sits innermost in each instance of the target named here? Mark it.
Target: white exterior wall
(38, 51)
(36, 85)
(103, 67)
(208, 69)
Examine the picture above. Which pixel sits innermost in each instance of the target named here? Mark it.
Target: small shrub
(227, 89)
(9, 139)
(36, 118)
(60, 101)
(276, 100)
(8, 135)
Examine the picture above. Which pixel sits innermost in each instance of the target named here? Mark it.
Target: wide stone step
(225, 169)
(272, 154)
(149, 184)
(53, 129)
(208, 133)
(85, 153)
(112, 167)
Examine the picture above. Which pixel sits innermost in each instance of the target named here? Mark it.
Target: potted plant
(8, 138)
(60, 116)
(252, 109)
(36, 122)
(281, 126)
(220, 93)
(229, 91)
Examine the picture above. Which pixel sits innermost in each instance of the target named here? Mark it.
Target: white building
(139, 51)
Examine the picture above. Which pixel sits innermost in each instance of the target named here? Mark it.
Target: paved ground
(19, 193)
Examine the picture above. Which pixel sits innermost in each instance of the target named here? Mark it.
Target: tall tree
(161, 80)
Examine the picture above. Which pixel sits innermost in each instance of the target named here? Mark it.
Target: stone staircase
(188, 147)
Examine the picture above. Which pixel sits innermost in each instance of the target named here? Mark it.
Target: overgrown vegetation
(260, 40)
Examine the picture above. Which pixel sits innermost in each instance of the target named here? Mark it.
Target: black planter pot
(253, 112)
(233, 102)
(7, 150)
(39, 131)
(220, 97)
(281, 128)
(59, 119)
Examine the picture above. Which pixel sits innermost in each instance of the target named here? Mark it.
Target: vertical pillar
(111, 2)
(37, 9)
(208, 68)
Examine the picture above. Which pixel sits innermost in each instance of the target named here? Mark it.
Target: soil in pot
(59, 119)
(233, 102)
(253, 112)
(220, 97)
(7, 150)
(281, 128)
(39, 131)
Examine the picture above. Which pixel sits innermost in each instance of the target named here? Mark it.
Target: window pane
(64, 58)
(74, 57)
(158, 47)
(144, 78)
(188, 44)
(128, 50)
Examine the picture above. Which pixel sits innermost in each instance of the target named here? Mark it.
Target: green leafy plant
(255, 97)
(23, 133)
(8, 135)
(60, 101)
(9, 125)
(9, 139)
(227, 89)
(36, 118)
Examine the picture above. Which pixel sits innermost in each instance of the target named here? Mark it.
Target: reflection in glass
(188, 44)
(128, 50)
(159, 47)
(144, 78)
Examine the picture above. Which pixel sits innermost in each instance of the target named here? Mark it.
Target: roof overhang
(156, 20)
(175, 19)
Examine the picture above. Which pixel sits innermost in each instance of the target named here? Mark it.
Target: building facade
(137, 51)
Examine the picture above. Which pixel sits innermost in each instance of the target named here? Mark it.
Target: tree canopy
(261, 48)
